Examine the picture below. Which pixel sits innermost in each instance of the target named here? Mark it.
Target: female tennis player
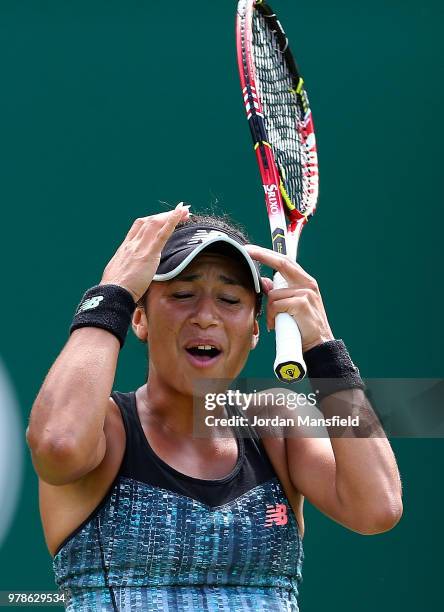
(140, 515)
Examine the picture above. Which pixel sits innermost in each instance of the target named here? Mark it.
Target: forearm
(70, 407)
(66, 430)
(351, 477)
(367, 476)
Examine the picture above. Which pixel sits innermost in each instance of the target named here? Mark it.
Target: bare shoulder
(64, 508)
(277, 453)
(274, 402)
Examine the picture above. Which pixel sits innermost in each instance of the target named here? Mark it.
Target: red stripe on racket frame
(276, 208)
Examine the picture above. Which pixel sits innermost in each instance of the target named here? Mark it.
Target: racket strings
(283, 115)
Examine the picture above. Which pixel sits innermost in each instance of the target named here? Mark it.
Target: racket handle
(289, 365)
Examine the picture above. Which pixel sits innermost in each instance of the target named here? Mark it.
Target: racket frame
(289, 364)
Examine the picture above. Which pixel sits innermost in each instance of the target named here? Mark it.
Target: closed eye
(183, 295)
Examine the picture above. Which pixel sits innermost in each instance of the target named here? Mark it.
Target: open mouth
(203, 353)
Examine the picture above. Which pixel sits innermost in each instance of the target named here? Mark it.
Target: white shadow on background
(11, 453)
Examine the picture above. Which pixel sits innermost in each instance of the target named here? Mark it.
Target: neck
(173, 411)
(170, 409)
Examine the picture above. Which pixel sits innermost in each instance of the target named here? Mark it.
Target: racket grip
(289, 365)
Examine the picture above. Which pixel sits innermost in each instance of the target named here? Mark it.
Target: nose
(206, 314)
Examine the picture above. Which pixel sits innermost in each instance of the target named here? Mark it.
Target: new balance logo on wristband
(111, 310)
(90, 303)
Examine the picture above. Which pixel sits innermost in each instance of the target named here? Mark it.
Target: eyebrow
(228, 280)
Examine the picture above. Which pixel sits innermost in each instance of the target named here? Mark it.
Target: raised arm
(350, 474)
(65, 432)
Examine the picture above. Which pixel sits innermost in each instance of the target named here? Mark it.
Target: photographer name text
(276, 421)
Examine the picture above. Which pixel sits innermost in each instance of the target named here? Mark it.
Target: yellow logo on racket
(289, 372)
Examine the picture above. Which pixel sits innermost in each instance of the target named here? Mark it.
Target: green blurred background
(113, 110)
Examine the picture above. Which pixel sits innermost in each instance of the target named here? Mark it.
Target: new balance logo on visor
(90, 303)
(276, 515)
(203, 235)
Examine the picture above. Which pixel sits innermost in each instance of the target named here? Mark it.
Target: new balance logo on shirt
(276, 515)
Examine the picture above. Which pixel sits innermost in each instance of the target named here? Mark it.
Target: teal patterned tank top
(164, 541)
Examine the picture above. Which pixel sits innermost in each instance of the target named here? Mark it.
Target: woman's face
(202, 323)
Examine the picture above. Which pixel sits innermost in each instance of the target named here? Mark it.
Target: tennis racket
(281, 125)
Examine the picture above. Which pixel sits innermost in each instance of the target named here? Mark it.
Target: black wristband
(109, 307)
(330, 369)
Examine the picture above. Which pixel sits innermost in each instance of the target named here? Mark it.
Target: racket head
(279, 115)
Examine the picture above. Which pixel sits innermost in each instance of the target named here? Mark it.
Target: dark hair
(223, 223)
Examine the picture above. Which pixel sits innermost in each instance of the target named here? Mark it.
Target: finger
(152, 225)
(288, 292)
(180, 213)
(135, 228)
(139, 224)
(297, 307)
(267, 284)
(290, 270)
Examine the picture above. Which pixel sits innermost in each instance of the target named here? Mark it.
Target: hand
(301, 299)
(136, 260)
